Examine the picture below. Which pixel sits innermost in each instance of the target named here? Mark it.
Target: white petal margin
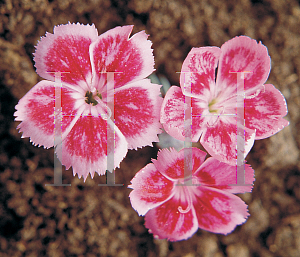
(36, 111)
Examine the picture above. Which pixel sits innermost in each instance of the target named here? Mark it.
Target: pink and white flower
(175, 210)
(214, 100)
(83, 58)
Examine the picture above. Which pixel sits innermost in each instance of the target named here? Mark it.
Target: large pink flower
(175, 210)
(214, 101)
(87, 96)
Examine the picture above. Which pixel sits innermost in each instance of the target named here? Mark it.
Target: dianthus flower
(84, 60)
(174, 209)
(215, 102)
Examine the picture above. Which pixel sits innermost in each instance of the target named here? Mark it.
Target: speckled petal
(151, 189)
(241, 54)
(36, 111)
(198, 70)
(218, 211)
(265, 111)
(171, 163)
(131, 58)
(172, 115)
(137, 111)
(66, 51)
(220, 175)
(220, 140)
(85, 146)
(166, 222)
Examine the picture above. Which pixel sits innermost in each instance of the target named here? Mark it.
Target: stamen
(99, 95)
(210, 106)
(89, 98)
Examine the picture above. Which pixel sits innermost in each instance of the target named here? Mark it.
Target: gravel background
(87, 220)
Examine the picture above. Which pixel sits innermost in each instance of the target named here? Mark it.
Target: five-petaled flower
(175, 209)
(215, 102)
(84, 60)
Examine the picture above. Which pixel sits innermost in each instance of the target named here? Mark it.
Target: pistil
(189, 201)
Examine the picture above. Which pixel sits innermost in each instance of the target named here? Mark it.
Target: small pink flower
(175, 211)
(85, 99)
(214, 100)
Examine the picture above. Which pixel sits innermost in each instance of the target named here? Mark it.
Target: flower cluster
(209, 109)
(109, 106)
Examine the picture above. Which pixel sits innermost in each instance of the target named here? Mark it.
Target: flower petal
(137, 109)
(114, 51)
(150, 189)
(265, 111)
(170, 163)
(216, 174)
(172, 115)
(242, 54)
(220, 140)
(66, 50)
(218, 211)
(85, 146)
(198, 72)
(36, 111)
(166, 221)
